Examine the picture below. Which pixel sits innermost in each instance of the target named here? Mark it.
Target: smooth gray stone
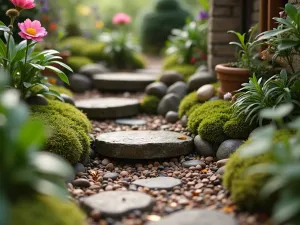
(188, 164)
(131, 122)
(91, 69)
(153, 71)
(158, 89)
(80, 83)
(197, 217)
(199, 79)
(171, 77)
(228, 147)
(169, 103)
(81, 182)
(108, 108)
(110, 175)
(184, 121)
(37, 100)
(117, 203)
(122, 81)
(203, 147)
(166, 183)
(172, 117)
(79, 167)
(179, 88)
(143, 144)
(67, 99)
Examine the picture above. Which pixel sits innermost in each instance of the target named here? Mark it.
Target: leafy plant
(23, 167)
(256, 95)
(284, 170)
(190, 43)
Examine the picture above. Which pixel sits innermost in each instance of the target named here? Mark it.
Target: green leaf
(291, 11)
(272, 33)
(287, 44)
(255, 148)
(37, 66)
(46, 187)
(4, 28)
(61, 74)
(4, 208)
(63, 65)
(278, 112)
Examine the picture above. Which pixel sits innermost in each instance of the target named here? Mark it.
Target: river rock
(80, 83)
(158, 89)
(203, 147)
(37, 100)
(171, 77)
(169, 103)
(67, 99)
(91, 69)
(205, 92)
(199, 79)
(228, 147)
(166, 183)
(172, 117)
(179, 88)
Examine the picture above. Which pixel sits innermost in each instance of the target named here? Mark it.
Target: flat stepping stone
(143, 144)
(158, 183)
(150, 71)
(110, 175)
(108, 108)
(118, 203)
(189, 163)
(131, 122)
(197, 217)
(122, 81)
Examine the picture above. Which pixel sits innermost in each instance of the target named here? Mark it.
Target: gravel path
(201, 185)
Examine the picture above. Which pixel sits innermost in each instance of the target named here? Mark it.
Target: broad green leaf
(291, 11)
(63, 65)
(287, 44)
(37, 66)
(4, 28)
(286, 208)
(255, 148)
(61, 74)
(49, 188)
(272, 33)
(278, 112)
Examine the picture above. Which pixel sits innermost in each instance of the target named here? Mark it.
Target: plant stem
(23, 90)
(11, 26)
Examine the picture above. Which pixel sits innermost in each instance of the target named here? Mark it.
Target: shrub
(185, 70)
(157, 25)
(205, 110)
(170, 61)
(211, 127)
(76, 62)
(95, 51)
(149, 104)
(238, 128)
(44, 210)
(187, 103)
(138, 61)
(75, 45)
(61, 90)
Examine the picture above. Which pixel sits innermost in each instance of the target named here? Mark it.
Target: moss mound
(76, 62)
(95, 51)
(149, 104)
(185, 70)
(45, 210)
(206, 110)
(69, 130)
(61, 90)
(75, 45)
(138, 61)
(170, 61)
(187, 103)
(238, 128)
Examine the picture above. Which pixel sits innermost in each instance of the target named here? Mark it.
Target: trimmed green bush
(156, 26)
(170, 61)
(46, 210)
(149, 104)
(187, 103)
(95, 51)
(75, 45)
(61, 90)
(206, 110)
(138, 61)
(211, 127)
(76, 62)
(185, 70)
(238, 128)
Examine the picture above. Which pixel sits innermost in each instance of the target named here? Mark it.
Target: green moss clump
(238, 128)
(206, 110)
(95, 51)
(46, 210)
(170, 61)
(149, 104)
(76, 62)
(187, 103)
(186, 70)
(61, 90)
(192, 109)
(75, 45)
(216, 86)
(138, 61)
(211, 127)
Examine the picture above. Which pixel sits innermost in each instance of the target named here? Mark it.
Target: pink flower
(32, 30)
(121, 18)
(23, 4)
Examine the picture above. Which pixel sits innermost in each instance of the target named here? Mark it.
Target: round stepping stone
(158, 183)
(108, 108)
(122, 81)
(131, 122)
(143, 144)
(110, 175)
(199, 217)
(188, 164)
(118, 203)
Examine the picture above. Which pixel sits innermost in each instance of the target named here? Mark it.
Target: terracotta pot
(231, 78)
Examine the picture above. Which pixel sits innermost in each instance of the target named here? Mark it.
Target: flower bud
(228, 96)
(12, 13)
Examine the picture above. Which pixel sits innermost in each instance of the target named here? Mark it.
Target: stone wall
(295, 2)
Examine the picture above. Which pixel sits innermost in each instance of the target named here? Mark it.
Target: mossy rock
(138, 61)
(95, 52)
(245, 189)
(170, 61)
(206, 110)
(186, 70)
(76, 62)
(238, 128)
(187, 103)
(75, 45)
(149, 104)
(61, 90)
(46, 210)
(211, 127)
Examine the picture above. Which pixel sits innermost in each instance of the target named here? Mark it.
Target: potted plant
(232, 75)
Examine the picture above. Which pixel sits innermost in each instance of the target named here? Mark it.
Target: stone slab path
(108, 108)
(143, 144)
(158, 183)
(123, 81)
(131, 122)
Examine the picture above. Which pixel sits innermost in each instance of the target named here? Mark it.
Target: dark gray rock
(131, 122)
(122, 81)
(221, 170)
(109, 108)
(228, 147)
(143, 144)
(203, 147)
(189, 163)
(81, 182)
(197, 217)
(184, 121)
(199, 79)
(166, 183)
(80, 83)
(91, 69)
(79, 167)
(37, 100)
(172, 117)
(117, 203)
(202, 68)
(169, 103)
(171, 77)
(110, 175)
(67, 99)
(179, 88)
(158, 89)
